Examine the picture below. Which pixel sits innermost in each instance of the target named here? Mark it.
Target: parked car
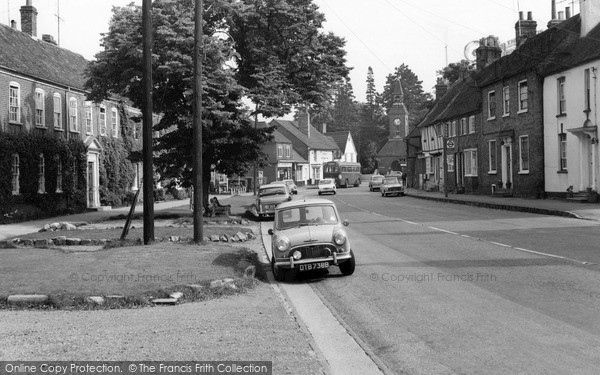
(309, 235)
(292, 186)
(269, 196)
(375, 182)
(391, 186)
(327, 185)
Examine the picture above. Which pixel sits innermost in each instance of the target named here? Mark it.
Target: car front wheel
(278, 273)
(347, 268)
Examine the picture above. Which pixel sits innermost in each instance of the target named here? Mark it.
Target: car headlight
(339, 238)
(282, 243)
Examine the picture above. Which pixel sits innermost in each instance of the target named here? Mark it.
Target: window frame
(470, 161)
(523, 103)
(492, 156)
(14, 103)
(57, 111)
(471, 124)
(491, 105)
(560, 96)
(521, 161)
(41, 174)
(102, 121)
(288, 151)
(279, 151)
(16, 174)
(562, 152)
(505, 101)
(73, 115)
(463, 126)
(114, 122)
(450, 163)
(40, 108)
(89, 117)
(59, 176)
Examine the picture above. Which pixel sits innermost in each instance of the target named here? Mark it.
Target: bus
(345, 173)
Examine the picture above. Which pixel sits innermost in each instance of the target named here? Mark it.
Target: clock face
(397, 121)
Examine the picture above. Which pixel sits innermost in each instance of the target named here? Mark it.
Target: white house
(571, 105)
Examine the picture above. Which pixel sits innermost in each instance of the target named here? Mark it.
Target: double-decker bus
(345, 173)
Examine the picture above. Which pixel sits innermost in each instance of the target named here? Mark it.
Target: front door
(506, 151)
(93, 194)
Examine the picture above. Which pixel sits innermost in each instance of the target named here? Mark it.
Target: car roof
(274, 184)
(305, 202)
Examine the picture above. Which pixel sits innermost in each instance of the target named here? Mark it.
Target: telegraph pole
(198, 203)
(148, 172)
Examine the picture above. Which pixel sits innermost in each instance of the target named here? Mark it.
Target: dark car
(269, 196)
(391, 186)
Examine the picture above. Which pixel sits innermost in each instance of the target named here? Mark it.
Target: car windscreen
(277, 190)
(306, 215)
(391, 180)
(377, 178)
(326, 182)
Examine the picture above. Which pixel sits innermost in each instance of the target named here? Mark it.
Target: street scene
(299, 187)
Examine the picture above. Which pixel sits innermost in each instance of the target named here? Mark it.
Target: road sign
(449, 143)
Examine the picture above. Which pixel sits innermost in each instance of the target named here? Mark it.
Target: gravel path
(254, 326)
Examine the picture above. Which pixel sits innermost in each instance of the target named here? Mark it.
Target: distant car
(327, 185)
(292, 186)
(391, 186)
(309, 235)
(269, 196)
(375, 182)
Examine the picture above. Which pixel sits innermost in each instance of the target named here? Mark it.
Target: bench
(218, 208)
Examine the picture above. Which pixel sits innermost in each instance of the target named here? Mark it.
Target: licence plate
(313, 266)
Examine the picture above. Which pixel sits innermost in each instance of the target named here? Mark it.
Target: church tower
(392, 156)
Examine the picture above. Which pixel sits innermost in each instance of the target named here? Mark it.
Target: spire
(397, 92)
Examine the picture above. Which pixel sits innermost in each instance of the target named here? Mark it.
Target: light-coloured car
(269, 196)
(292, 186)
(309, 235)
(391, 186)
(327, 186)
(375, 182)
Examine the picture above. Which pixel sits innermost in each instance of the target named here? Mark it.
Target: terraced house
(60, 152)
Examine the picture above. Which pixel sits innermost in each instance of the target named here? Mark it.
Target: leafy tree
(230, 143)
(454, 71)
(283, 57)
(371, 91)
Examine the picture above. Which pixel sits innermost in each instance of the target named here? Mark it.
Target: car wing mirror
(346, 223)
(270, 231)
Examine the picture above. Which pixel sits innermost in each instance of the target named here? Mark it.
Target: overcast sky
(382, 34)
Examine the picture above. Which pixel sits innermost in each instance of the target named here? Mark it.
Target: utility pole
(198, 196)
(148, 173)
(255, 179)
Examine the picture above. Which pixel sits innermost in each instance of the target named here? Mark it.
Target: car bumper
(335, 259)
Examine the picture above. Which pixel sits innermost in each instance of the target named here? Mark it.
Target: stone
(250, 235)
(174, 238)
(27, 298)
(45, 228)
(214, 238)
(216, 284)
(73, 241)
(27, 243)
(115, 298)
(245, 222)
(55, 226)
(241, 236)
(206, 239)
(96, 300)
(196, 288)
(86, 242)
(176, 295)
(228, 280)
(224, 238)
(250, 271)
(164, 301)
(67, 226)
(60, 240)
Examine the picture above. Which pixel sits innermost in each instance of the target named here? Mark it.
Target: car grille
(395, 189)
(316, 251)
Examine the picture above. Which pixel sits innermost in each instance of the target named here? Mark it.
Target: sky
(425, 35)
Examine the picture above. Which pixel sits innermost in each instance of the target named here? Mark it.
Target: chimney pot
(561, 15)
(13, 24)
(29, 19)
(568, 12)
(529, 16)
(521, 16)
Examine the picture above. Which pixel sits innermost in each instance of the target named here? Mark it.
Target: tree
(371, 94)
(283, 57)
(229, 141)
(454, 71)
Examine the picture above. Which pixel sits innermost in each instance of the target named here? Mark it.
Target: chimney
(324, 128)
(440, 89)
(304, 122)
(567, 12)
(49, 39)
(488, 51)
(13, 24)
(590, 15)
(525, 29)
(29, 19)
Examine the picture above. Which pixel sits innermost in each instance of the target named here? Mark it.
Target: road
(448, 289)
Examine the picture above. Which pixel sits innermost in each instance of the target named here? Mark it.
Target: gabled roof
(340, 138)
(317, 140)
(462, 98)
(393, 147)
(573, 50)
(35, 58)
